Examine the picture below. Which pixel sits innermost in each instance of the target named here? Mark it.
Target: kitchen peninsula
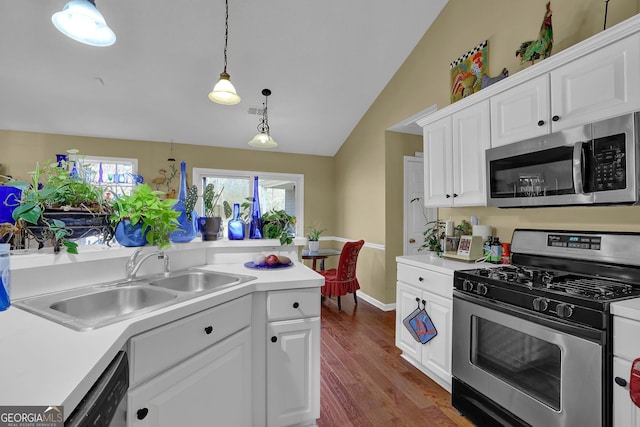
(245, 329)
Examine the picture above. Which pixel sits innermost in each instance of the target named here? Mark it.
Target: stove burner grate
(592, 288)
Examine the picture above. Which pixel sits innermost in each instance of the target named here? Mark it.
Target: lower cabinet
(626, 348)
(211, 388)
(432, 291)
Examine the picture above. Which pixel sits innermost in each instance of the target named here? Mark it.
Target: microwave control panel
(608, 164)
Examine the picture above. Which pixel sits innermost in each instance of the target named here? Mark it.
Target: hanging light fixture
(81, 21)
(263, 138)
(224, 92)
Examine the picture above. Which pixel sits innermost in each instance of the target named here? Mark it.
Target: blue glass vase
(255, 227)
(188, 227)
(236, 226)
(130, 235)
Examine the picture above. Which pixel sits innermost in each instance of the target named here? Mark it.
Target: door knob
(540, 122)
(142, 413)
(412, 240)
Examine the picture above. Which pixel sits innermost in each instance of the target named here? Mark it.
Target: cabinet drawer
(162, 347)
(438, 283)
(625, 338)
(282, 305)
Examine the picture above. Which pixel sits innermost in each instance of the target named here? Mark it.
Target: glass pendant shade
(263, 140)
(224, 92)
(81, 21)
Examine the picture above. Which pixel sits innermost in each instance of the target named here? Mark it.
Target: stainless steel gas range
(532, 341)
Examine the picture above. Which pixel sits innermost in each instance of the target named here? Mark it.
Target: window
(116, 175)
(276, 190)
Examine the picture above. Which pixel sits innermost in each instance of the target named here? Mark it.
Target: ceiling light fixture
(81, 21)
(224, 92)
(263, 138)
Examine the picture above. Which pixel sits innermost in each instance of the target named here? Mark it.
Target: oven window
(525, 362)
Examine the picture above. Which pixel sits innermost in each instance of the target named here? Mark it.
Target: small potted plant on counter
(210, 224)
(143, 217)
(277, 224)
(314, 238)
(433, 236)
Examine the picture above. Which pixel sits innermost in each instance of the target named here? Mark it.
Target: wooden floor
(365, 382)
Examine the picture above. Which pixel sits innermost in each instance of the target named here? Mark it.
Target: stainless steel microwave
(588, 165)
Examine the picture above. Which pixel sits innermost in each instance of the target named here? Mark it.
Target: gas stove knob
(467, 285)
(564, 310)
(540, 304)
(482, 289)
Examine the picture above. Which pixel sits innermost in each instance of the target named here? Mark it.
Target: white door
(416, 215)
(211, 388)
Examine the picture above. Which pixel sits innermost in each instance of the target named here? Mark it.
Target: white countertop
(441, 265)
(45, 363)
(629, 309)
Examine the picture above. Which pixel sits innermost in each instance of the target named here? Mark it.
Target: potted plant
(210, 225)
(143, 208)
(63, 207)
(433, 236)
(277, 224)
(313, 237)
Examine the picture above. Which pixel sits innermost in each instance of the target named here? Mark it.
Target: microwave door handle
(578, 186)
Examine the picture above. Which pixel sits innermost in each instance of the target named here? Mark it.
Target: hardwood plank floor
(365, 382)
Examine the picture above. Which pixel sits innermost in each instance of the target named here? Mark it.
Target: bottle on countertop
(495, 251)
(486, 248)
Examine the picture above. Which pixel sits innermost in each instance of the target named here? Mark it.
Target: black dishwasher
(105, 403)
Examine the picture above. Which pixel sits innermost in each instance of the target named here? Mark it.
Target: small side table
(320, 254)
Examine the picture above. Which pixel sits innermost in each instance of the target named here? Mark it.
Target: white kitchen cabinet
(210, 388)
(433, 291)
(454, 162)
(293, 357)
(626, 348)
(521, 112)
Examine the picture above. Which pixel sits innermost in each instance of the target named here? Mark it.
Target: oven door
(534, 371)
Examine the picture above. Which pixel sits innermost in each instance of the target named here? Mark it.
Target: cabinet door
(625, 413)
(293, 372)
(602, 84)
(407, 298)
(438, 185)
(211, 388)
(470, 139)
(436, 354)
(521, 112)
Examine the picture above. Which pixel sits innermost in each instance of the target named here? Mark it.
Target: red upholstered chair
(342, 280)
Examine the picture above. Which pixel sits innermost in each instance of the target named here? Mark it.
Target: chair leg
(354, 297)
(339, 305)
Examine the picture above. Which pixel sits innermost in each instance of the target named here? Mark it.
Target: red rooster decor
(541, 47)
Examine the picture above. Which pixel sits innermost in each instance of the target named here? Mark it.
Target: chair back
(348, 260)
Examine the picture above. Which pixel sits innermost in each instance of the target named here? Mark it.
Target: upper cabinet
(454, 158)
(603, 84)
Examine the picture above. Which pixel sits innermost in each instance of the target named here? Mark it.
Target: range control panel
(574, 241)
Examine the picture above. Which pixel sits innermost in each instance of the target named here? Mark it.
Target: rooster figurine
(540, 48)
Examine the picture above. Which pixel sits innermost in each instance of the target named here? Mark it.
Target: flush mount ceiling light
(81, 21)
(224, 92)
(263, 138)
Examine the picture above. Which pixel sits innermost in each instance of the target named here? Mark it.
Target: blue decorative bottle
(188, 227)
(236, 225)
(5, 302)
(255, 227)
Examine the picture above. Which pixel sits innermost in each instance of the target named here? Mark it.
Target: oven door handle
(578, 167)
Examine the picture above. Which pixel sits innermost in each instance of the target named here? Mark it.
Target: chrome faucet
(133, 264)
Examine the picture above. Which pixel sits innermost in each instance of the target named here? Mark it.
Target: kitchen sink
(198, 281)
(92, 307)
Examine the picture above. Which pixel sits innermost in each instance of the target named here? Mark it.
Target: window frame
(200, 173)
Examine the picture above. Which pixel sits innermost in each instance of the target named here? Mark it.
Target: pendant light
(224, 92)
(263, 138)
(81, 21)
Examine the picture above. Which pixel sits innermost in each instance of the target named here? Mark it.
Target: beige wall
(21, 151)
(369, 162)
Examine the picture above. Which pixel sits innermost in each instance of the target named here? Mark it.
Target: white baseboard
(382, 306)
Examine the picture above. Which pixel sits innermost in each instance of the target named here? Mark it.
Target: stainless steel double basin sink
(95, 306)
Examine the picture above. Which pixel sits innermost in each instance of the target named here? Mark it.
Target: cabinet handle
(142, 413)
(555, 118)
(420, 279)
(418, 300)
(423, 302)
(208, 329)
(274, 339)
(455, 195)
(540, 122)
(447, 196)
(621, 381)
(296, 305)
(412, 240)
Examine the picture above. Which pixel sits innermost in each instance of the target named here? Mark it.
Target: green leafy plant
(277, 224)
(157, 216)
(190, 201)
(210, 199)
(228, 210)
(54, 187)
(433, 236)
(245, 209)
(463, 229)
(314, 233)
